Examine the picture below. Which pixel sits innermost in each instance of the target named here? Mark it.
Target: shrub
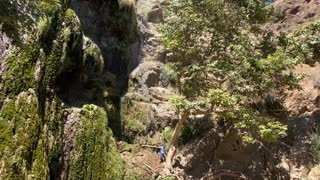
(133, 117)
(166, 135)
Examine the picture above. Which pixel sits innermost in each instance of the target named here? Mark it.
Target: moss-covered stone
(54, 132)
(43, 27)
(6, 132)
(19, 74)
(95, 155)
(21, 119)
(32, 118)
(40, 167)
(92, 56)
(65, 47)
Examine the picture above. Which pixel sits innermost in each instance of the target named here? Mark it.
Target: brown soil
(144, 162)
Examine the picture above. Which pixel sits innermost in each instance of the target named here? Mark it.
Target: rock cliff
(91, 86)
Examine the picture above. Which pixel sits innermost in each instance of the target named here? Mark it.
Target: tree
(304, 42)
(18, 17)
(223, 65)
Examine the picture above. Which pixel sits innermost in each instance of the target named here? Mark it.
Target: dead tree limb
(149, 167)
(150, 146)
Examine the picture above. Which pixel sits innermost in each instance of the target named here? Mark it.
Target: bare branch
(149, 167)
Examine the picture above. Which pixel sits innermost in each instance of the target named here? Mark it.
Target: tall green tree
(223, 65)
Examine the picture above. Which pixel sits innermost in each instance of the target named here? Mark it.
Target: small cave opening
(115, 32)
(76, 88)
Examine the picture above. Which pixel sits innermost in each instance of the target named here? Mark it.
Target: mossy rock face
(40, 166)
(134, 116)
(20, 127)
(95, 155)
(32, 116)
(72, 41)
(92, 58)
(43, 27)
(72, 52)
(19, 74)
(66, 49)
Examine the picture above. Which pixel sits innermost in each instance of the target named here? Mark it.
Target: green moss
(63, 56)
(131, 175)
(32, 125)
(92, 51)
(61, 41)
(166, 135)
(19, 74)
(40, 169)
(53, 64)
(133, 116)
(25, 150)
(23, 124)
(72, 20)
(27, 125)
(72, 41)
(112, 105)
(95, 155)
(6, 129)
(43, 27)
(70, 15)
(55, 132)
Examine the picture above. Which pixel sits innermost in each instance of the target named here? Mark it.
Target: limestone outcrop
(148, 82)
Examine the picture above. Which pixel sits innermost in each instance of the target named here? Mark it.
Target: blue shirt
(268, 3)
(161, 150)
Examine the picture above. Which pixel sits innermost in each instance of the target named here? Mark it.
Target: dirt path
(143, 162)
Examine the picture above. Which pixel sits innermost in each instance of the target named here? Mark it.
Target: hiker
(162, 154)
(268, 3)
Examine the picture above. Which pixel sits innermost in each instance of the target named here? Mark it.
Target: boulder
(314, 173)
(307, 100)
(147, 74)
(160, 93)
(151, 10)
(291, 13)
(150, 13)
(72, 121)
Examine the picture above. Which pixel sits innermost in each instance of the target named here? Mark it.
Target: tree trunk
(174, 142)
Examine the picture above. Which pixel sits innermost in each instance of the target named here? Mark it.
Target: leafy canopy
(224, 64)
(304, 43)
